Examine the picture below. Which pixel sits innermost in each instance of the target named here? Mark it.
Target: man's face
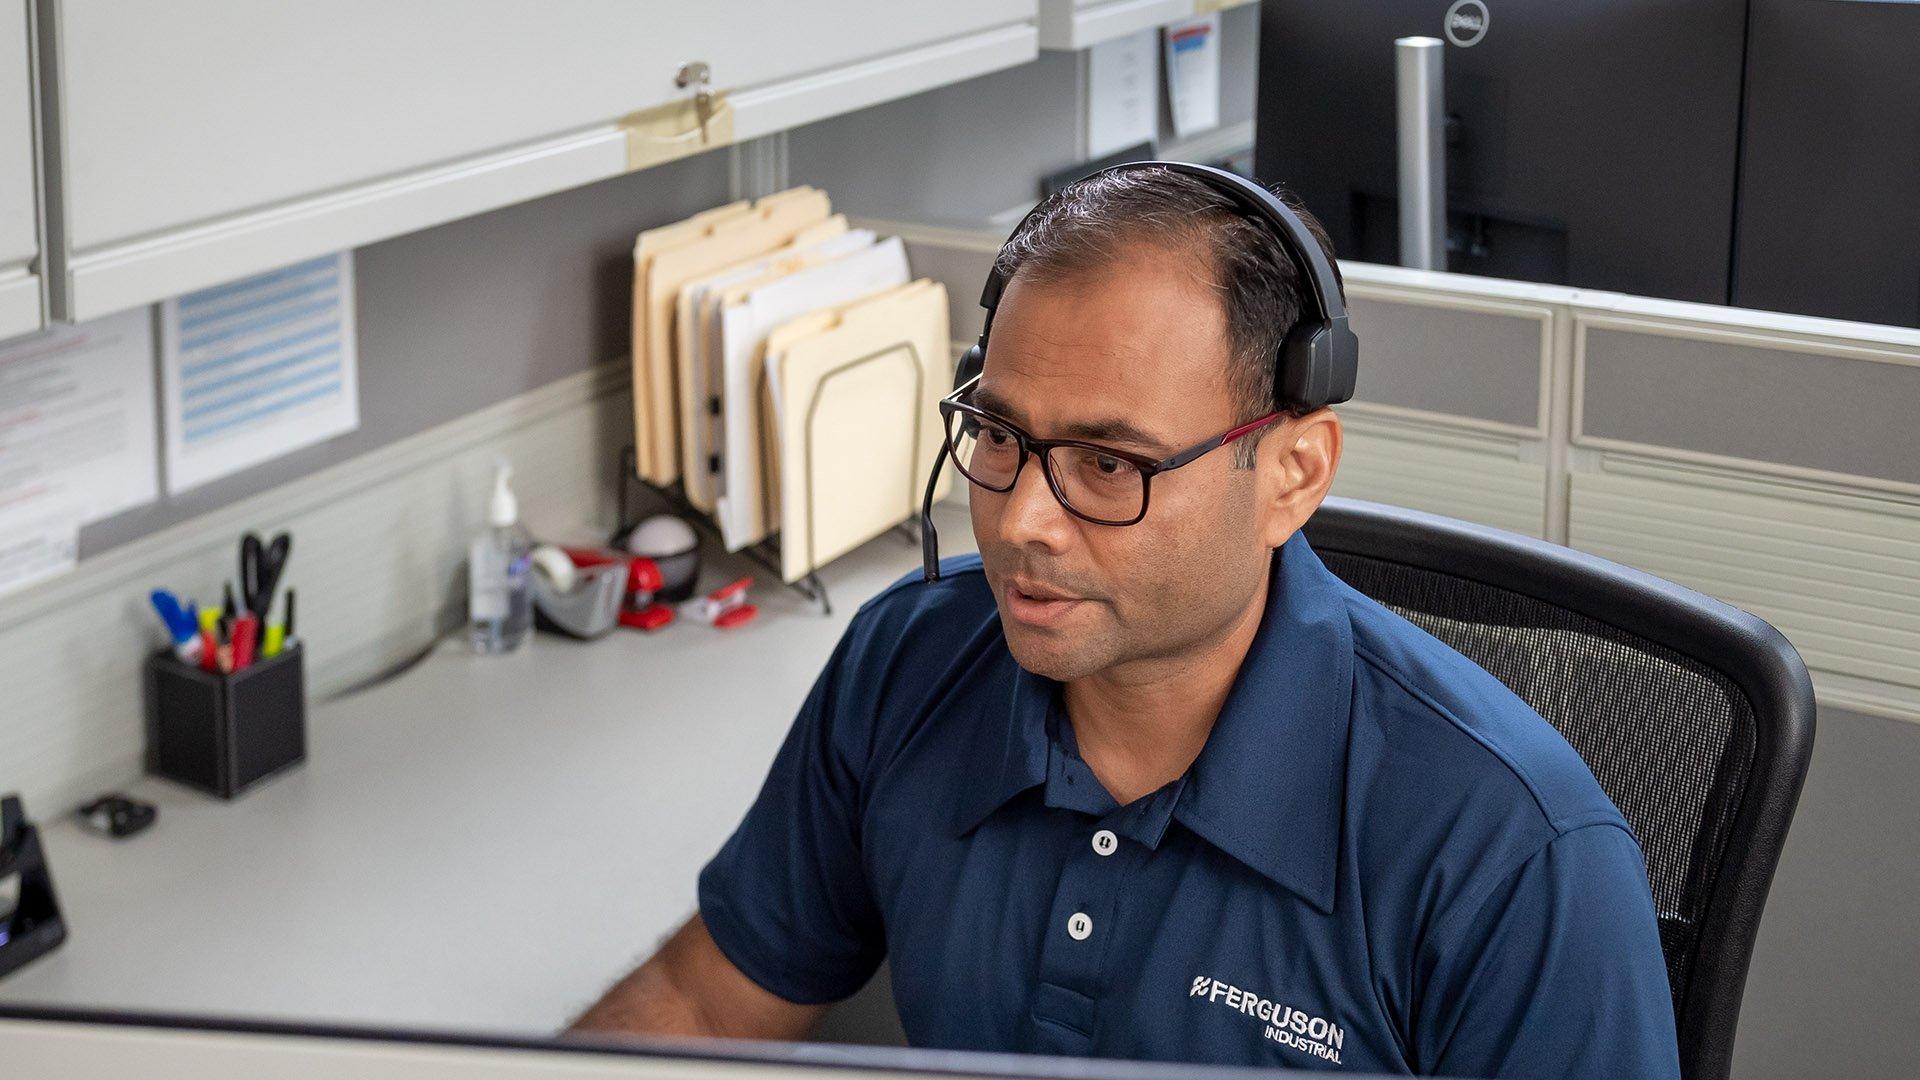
(1135, 356)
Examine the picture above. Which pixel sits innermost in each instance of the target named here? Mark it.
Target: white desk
(481, 843)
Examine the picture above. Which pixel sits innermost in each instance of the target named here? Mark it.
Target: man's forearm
(646, 1001)
(690, 988)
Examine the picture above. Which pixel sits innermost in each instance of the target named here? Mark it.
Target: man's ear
(1296, 465)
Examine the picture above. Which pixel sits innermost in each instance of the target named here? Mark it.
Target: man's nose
(1032, 514)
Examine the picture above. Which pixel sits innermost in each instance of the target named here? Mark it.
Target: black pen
(224, 641)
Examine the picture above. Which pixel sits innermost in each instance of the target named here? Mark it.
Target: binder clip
(30, 924)
(724, 607)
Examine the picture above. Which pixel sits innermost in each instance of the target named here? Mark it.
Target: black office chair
(1696, 717)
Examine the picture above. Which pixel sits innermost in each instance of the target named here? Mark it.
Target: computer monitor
(110, 1046)
(1754, 152)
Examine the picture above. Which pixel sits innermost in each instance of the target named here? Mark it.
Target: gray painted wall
(458, 317)
(1835, 985)
(962, 154)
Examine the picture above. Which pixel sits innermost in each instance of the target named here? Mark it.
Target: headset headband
(1252, 198)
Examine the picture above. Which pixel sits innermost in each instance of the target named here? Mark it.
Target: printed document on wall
(1123, 93)
(257, 368)
(77, 438)
(1193, 74)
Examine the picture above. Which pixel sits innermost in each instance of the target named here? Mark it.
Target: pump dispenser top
(505, 509)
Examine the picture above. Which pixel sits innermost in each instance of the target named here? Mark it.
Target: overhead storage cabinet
(201, 140)
(19, 216)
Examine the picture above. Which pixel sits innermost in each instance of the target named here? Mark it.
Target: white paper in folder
(744, 327)
(696, 355)
(711, 427)
(858, 423)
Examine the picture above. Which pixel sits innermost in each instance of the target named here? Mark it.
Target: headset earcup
(1299, 380)
(972, 362)
(1314, 367)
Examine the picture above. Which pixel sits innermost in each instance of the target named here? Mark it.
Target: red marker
(246, 633)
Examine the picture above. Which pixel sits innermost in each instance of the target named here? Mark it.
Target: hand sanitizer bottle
(499, 593)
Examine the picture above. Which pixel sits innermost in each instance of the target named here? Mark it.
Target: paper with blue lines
(258, 368)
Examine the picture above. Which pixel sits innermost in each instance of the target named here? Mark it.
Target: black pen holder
(225, 733)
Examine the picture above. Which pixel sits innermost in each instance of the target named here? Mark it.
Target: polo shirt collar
(1268, 786)
(1011, 756)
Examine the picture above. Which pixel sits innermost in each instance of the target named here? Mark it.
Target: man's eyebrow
(1112, 430)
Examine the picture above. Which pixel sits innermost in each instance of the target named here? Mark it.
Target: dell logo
(1466, 22)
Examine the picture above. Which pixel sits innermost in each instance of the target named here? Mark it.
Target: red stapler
(724, 607)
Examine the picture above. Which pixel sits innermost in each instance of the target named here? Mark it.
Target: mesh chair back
(1695, 717)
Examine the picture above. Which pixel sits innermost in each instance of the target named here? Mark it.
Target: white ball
(661, 535)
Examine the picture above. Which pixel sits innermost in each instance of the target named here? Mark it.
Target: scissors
(261, 564)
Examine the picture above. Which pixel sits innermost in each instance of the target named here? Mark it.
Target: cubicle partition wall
(1767, 460)
(1453, 408)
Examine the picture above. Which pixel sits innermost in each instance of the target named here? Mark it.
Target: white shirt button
(1079, 927)
(1105, 843)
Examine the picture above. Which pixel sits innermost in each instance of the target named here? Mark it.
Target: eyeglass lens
(1092, 484)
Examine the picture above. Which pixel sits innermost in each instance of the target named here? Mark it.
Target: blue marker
(183, 625)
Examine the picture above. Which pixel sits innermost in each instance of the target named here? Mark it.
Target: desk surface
(481, 843)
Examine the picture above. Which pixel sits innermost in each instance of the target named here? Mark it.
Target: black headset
(1317, 362)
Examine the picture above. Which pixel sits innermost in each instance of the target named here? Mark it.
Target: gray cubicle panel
(1450, 411)
(1767, 460)
(1487, 363)
(1836, 407)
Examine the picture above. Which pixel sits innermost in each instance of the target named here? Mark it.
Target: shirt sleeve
(1557, 972)
(787, 898)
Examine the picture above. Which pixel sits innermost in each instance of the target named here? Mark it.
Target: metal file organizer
(768, 553)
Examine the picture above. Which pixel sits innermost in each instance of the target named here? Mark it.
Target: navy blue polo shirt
(1381, 861)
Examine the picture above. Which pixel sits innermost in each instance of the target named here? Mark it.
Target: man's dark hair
(1085, 225)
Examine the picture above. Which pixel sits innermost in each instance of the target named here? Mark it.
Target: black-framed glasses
(1100, 484)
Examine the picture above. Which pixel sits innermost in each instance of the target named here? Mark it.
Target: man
(1168, 789)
